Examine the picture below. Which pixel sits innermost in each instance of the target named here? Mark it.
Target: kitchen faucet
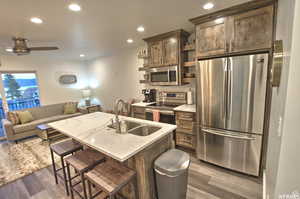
(117, 111)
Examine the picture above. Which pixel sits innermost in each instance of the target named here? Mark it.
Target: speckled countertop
(143, 104)
(91, 129)
(186, 108)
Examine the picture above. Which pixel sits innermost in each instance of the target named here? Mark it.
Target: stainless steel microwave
(164, 76)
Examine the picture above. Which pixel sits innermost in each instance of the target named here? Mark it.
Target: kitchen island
(136, 151)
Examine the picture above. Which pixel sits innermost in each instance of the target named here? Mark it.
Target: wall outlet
(279, 130)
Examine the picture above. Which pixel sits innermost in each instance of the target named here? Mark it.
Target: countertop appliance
(230, 111)
(149, 95)
(164, 76)
(166, 102)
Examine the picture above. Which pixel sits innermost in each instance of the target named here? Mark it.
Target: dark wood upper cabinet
(252, 30)
(156, 53)
(240, 29)
(165, 49)
(210, 38)
(170, 51)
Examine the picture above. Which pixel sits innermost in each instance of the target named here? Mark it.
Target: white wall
(288, 177)
(276, 140)
(48, 71)
(115, 77)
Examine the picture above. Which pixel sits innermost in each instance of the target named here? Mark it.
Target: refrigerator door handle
(225, 65)
(225, 134)
(229, 86)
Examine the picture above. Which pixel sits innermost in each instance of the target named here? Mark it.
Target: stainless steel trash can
(171, 173)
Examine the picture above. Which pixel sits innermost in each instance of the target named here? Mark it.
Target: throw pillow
(13, 117)
(25, 116)
(70, 108)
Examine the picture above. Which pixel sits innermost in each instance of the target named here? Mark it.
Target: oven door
(164, 76)
(166, 116)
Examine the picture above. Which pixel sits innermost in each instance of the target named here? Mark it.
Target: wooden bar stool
(63, 149)
(109, 177)
(82, 162)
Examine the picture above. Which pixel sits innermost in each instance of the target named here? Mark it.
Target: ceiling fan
(21, 48)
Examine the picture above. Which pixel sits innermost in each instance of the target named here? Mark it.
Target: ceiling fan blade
(42, 48)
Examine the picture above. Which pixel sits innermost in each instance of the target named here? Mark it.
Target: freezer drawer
(237, 151)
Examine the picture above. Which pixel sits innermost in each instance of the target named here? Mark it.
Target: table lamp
(86, 93)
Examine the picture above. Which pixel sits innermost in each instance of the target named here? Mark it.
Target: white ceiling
(100, 28)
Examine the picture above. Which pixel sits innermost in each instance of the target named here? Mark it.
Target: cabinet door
(170, 47)
(156, 53)
(210, 38)
(252, 30)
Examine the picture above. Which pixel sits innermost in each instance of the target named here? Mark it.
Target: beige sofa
(41, 115)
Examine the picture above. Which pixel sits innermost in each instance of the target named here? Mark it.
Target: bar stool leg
(89, 190)
(53, 166)
(83, 184)
(70, 181)
(64, 173)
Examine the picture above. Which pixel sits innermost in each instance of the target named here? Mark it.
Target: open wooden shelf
(189, 64)
(143, 68)
(144, 81)
(189, 48)
(143, 57)
(188, 80)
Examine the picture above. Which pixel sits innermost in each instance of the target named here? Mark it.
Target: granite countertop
(91, 129)
(143, 104)
(186, 108)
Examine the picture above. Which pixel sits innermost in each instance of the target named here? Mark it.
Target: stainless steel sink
(144, 130)
(129, 125)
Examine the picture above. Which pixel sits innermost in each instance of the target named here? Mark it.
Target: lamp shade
(86, 93)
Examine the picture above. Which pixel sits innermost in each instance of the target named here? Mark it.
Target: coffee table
(47, 133)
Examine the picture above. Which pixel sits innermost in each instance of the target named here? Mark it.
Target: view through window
(21, 92)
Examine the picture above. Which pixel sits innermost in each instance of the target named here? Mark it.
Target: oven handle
(163, 112)
(224, 134)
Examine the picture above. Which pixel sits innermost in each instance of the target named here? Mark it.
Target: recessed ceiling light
(9, 50)
(140, 29)
(74, 7)
(36, 20)
(130, 41)
(208, 6)
(82, 55)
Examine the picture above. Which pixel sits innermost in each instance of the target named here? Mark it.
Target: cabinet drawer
(185, 124)
(185, 116)
(139, 110)
(185, 140)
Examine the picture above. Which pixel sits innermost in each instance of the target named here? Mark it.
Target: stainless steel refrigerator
(230, 107)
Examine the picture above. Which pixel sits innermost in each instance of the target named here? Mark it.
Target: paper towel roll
(189, 97)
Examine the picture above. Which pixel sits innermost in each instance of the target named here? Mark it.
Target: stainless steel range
(165, 104)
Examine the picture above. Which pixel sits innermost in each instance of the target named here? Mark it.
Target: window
(19, 91)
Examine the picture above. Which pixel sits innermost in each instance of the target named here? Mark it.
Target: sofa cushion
(13, 117)
(70, 107)
(25, 116)
(33, 125)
